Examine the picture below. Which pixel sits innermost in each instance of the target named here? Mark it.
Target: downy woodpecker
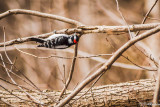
(57, 41)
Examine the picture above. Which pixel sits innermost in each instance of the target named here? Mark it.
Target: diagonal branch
(108, 64)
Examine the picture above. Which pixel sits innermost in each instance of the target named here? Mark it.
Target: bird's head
(74, 39)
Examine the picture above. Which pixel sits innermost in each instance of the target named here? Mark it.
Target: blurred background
(53, 72)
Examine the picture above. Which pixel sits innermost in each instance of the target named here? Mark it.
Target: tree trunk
(134, 93)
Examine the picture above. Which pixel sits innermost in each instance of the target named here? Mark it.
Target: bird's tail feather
(37, 40)
(41, 45)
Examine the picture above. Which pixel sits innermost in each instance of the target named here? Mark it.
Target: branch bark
(134, 93)
(86, 30)
(71, 71)
(39, 14)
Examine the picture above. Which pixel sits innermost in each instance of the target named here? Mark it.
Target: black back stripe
(50, 44)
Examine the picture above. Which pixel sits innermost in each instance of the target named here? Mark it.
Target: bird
(57, 41)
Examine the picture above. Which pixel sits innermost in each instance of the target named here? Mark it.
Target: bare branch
(146, 51)
(146, 16)
(62, 57)
(8, 73)
(39, 14)
(13, 83)
(71, 71)
(86, 30)
(140, 46)
(108, 64)
(118, 9)
(138, 65)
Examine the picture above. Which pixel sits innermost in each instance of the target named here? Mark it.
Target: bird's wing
(55, 36)
(62, 40)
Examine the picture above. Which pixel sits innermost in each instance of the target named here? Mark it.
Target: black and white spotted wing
(60, 42)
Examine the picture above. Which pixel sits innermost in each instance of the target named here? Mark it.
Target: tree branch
(39, 14)
(86, 30)
(71, 71)
(147, 14)
(133, 93)
(108, 64)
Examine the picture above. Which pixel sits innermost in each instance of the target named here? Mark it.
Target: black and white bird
(57, 41)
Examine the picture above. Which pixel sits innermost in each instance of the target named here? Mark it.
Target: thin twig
(147, 14)
(118, 9)
(62, 56)
(30, 82)
(71, 72)
(80, 57)
(140, 47)
(40, 92)
(146, 51)
(21, 88)
(81, 53)
(35, 87)
(143, 68)
(11, 71)
(64, 76)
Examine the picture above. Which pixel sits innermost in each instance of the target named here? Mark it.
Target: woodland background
(49, 73)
